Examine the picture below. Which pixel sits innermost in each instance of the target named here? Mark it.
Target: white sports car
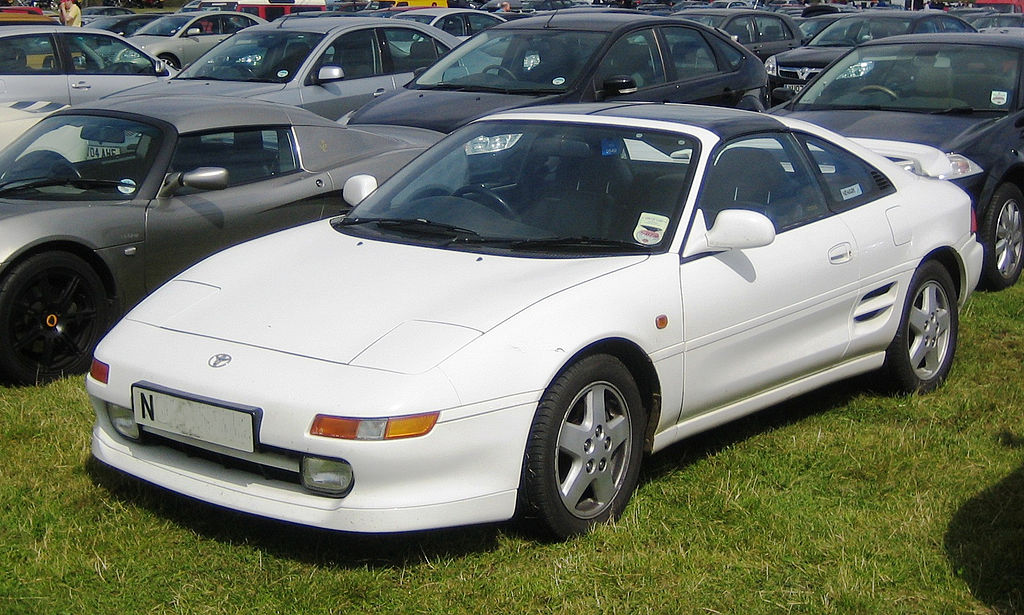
(522, 312)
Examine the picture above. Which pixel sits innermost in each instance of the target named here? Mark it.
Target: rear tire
(53, 311)
(583, 455)
(921, 355)
(1002, 235)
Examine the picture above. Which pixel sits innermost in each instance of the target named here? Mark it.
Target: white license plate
(102, 151)
(796, 87)
(207, 420)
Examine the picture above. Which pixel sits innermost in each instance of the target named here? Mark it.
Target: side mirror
(357, 188)
(734, 229)
(329, 73)
(781, 95)
(193, 32)
(203, 178)
(617, 85)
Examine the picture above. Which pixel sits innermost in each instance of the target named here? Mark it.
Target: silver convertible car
(103, 202)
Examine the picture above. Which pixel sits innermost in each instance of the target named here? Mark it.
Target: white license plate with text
(206, 420)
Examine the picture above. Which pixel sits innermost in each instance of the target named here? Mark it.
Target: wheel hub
(52, 320)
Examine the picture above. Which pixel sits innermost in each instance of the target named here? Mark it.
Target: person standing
(70, 14)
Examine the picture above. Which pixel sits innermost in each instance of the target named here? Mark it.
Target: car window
(229, 24)
(742, 28)
(848, 180)
(689, 53)
(634, 55)
(771, 29)
(28, 55)
(728, 57)
(409, 49)
(248, 155)
(452, 24)
(272, 56)
(952, 25)
(97, 54)
(357, 53)
(480, 22)
(207, 26)
(782, 188)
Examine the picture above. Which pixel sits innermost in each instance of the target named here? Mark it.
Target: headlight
(771, 65)
(123, 420)
(331, 477)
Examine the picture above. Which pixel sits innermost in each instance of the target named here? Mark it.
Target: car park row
(564, 274)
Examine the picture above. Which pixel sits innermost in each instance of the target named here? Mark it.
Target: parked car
(959, 93)
(17, 117)
(576, 56)
(329, 65)
(103, 202)
(792, 69)
(180, 38)
(765, 33)
(810, 26)
(462, 23)
(100, 11)
(123, 25)
(514, 319)
(998, 20)
(70, 65)
(25, 19)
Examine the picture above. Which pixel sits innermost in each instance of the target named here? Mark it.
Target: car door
(30, 69)
(698, 73)
(263, 195)
(103, 64)
(757, 318)
(773, 35)
(357, 53)
(636, 55)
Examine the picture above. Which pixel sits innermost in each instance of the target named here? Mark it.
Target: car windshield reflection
(270, 57)
(519, 61)
(919, 78)
(530, 187)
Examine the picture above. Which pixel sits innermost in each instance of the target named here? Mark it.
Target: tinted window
(772, 29)
(248, 155)
(27, 55)
(634, 55)
(690, 54)
(355, 52)
(409, 49)
(742, 28)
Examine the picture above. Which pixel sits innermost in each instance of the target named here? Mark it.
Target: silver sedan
(180, 38)
(101, 203)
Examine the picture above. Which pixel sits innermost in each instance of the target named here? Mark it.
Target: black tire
(1002, 235)
(921, 355)
(53, 311)
(171, 60)
(576, 472)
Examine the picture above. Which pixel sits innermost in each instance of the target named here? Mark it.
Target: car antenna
(550, 17)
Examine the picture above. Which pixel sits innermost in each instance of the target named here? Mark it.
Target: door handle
(378, 92)
(840, 254)
(81, 85)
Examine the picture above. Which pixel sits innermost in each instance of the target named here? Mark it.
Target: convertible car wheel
(1002, 234)
(53, 310)
(921, 355)
(583, 456)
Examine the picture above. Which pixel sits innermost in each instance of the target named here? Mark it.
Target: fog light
(123, 420)
(331, 477)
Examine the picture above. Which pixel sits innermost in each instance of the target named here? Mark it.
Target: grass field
(842, 501)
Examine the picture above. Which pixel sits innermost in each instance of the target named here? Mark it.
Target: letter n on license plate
(208, 420)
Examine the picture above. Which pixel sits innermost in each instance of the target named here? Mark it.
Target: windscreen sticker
(281, 74)
(558, 81)
(850, 192)
(126, 186)
(611, 147)
(650, 229)
(999, 97)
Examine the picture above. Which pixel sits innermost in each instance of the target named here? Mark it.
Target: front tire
(1002, 235)
(171, 60)
(583, 455)
(920, 357)
(53, 311)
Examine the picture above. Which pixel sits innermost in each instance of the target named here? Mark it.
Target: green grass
(841, 501)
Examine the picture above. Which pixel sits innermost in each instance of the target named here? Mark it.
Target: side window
(771, 29)
(452, 25)
(409, 49)
(28, 55)
(248, 155)
(742, 28)
(763, 173)
(480, 22)
(355, 52)
(926, 25)
(952, 25)
(206, 25)
(105, 55)
(729, 57)
(848, 180)
(635, 55)
(689, 52)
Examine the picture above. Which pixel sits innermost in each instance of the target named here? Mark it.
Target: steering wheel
(878, 88)
(491, 199)
(498, 69)
(42, 163)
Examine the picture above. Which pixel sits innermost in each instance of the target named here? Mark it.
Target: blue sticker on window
(610, 147)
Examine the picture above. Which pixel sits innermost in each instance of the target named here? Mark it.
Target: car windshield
(515, 61)
(79, 157)
(852, 31)
(165, 26)
(536, 187)
(271, 56)
(714, 21)
(924, 78)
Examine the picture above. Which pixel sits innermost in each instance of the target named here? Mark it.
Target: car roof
(727, 12)
(724, 122)
(596, 21)
(326, 24)
(204, 112)
(438, 11)
(952, 38)
(913, 15)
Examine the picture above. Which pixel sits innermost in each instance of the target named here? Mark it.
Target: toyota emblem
(219, 360)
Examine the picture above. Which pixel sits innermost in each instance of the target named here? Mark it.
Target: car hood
(815, 57)
(440, 110)
(204, 87)
(315, 292)
(949, 133)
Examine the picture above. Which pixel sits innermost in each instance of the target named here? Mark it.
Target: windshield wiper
(77, 182)
(953, 111)
(467, 88)
(413, 225)
(575, 243)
